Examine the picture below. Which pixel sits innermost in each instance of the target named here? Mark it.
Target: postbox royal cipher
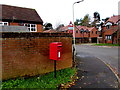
(55, 50)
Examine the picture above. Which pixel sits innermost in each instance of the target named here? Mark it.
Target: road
(108, 55)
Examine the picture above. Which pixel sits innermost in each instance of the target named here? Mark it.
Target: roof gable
(20, 14)
(85, 28)
(114, 19)
(108, 23)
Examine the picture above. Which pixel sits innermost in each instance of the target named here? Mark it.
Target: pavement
(93, 73)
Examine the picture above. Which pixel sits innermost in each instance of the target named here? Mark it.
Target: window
(81, 30)
(31, 27)
(108, 26)
(92, 32)
(96, 32)
(3, 23)
(70, 28)
(76, 31)
(87, 30)
(108, 37)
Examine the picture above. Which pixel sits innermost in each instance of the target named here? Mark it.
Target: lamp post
(74, 30)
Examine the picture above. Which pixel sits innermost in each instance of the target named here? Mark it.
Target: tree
(78, 22)
(59, 27)
(85, 21)
(96, 16)
(105, 19)
(48, 26)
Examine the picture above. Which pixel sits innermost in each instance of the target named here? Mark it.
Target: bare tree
(59, 26)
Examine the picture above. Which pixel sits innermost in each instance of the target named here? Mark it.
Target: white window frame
(108, 37)
(3, 24)
(30, 27)
(109, 23)
(105, 37)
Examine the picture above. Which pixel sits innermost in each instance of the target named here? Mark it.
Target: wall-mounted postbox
(55, 50)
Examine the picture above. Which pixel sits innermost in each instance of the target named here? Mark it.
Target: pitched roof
(77, 27)
(85, 28)
(50, 31)
(64, 28)
(114, 19)
(20, 14)
(111, 30)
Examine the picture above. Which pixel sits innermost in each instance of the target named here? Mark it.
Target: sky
(61, 11)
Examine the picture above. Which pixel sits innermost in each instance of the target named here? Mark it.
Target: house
(95, 35)
(108, 33)
(20, 16)
(110, 29)
(83, 34)
(50, 31)
(67, 29)
(116, 37)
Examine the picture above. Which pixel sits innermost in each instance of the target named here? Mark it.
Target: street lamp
(74, 30)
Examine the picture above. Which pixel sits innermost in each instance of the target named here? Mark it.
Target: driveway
(108, 55)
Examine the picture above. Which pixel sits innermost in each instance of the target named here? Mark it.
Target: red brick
(30, 56)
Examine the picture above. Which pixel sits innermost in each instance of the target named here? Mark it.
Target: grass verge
(106, 44)
(43, 81)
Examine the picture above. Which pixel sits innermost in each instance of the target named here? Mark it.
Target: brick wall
(14, 24)
(109, 31)
(81, 35)
(39, 28)
(28, 53)
(94, 33)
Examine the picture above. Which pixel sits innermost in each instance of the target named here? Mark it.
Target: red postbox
(55, 50)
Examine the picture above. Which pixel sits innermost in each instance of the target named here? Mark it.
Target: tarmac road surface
(109, 55)
(92, 69)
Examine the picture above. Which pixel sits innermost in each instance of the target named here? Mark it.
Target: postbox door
(55, 50)
(59, 51)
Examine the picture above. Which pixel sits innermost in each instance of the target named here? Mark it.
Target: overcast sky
(60, 11)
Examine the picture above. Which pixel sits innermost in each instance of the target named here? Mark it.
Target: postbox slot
(58, 54)
(59, 45)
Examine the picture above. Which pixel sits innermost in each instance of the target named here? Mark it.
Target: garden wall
(27, 54)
